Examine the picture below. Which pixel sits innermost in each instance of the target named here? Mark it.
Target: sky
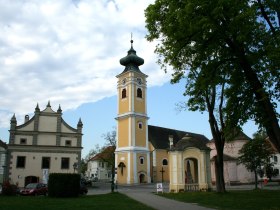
(67, 52)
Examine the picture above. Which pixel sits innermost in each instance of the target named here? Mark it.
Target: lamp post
(162, 171)
(113, 173)
(75, 166)
(4, 173)
(97, 173)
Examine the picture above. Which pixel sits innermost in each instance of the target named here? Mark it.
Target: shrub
(9, 189)
(64, 185)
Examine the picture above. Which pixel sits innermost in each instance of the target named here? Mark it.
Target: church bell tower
(132, 156)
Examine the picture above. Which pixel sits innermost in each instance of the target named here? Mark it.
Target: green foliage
(9, 189)
(255, 154)
(97, 149)
(225, 49)
(83, 166)
(64, 185)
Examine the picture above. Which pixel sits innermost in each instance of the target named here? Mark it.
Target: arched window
(164, 162)
(124, 93)
(141, 160)
(139, 93)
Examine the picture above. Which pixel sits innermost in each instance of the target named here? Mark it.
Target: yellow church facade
(146, 153)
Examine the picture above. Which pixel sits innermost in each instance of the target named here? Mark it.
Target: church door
(142, 178)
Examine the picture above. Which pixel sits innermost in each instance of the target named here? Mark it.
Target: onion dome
(131, 61)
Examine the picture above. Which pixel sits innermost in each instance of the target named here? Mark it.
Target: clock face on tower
(124, 81)
(139, 81)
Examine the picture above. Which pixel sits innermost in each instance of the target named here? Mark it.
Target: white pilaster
(135, 161)
(128, 168)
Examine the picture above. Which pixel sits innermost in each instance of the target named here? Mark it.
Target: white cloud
(68, 51)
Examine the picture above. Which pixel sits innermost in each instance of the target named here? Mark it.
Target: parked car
(34, 189)
(94, 179)
(86, 182)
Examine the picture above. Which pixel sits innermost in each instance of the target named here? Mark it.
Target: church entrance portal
(141, 178)
(191, 171)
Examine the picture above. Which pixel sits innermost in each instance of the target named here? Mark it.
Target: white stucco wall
(33, 165)
(47, 123)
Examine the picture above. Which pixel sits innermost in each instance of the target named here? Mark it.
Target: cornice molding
(132, 149)
(131, 114)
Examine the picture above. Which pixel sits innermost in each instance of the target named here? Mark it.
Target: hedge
(64, 185)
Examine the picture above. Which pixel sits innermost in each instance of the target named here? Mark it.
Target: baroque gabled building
(41, 145)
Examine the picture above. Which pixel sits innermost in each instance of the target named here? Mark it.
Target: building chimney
(170, 141)
(26, 119)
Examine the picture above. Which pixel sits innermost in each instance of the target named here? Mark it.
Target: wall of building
(33, 165)
(158, 167)
(42, 137)
(2, 163)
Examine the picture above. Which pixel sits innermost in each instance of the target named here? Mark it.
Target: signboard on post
(45, 178)
(159, 187)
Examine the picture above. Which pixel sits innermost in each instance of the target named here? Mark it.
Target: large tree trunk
(266, 110)
(219, 173)
(219, 144)
(219, 167)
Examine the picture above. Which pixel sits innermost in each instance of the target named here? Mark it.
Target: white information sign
(45, 178)
(159, 187)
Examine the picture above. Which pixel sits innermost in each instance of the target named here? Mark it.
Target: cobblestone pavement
(146, 193)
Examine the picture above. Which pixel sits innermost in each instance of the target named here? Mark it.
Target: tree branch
(265, 16)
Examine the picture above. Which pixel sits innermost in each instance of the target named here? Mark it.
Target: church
(146, 153)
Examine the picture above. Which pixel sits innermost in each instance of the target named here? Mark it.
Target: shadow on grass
(106, 201)
(231, 200)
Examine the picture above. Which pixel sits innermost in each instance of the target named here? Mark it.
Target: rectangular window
(21, 162)
(23, 141)
(275, 159)
(65, 163)
(68, 143)
(46, 161)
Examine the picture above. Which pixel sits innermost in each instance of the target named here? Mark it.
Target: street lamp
(75, 166)
(4, 173)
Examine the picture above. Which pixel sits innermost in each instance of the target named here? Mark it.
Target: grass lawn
(232, 200)
(107, 201)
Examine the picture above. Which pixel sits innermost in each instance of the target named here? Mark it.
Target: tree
(234, 40)
(83, 166)
(97, 149)
(106, 153)
(228, 57)
(110, 138)
(270, 171)
(255, 155)
(204, 96)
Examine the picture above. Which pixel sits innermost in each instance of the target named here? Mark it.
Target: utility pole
(162, 171)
